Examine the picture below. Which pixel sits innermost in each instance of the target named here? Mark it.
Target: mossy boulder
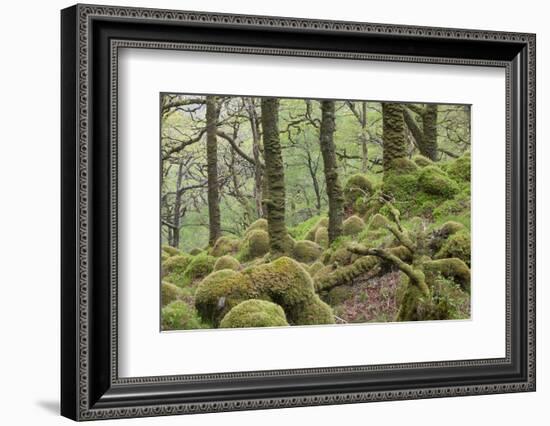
(353, 226)
(357, 189)
(322, 223)
(168, 293)
(339, 295)
(199, 267)
(402, 166)
(227, 262)
(457, 245)
(282, 281)
(422, 161)
(321, 236)
(178, 315)
(255, 244)
(457, 206)
(435, 181)
(452, 268)
(341, 256)
(171, 251)
(254, 313)
(378, 221)
(315, 267)
(460, 169)
(225, 245)
(306, 251)
(175, 264)
(258, 225)
(195, 251)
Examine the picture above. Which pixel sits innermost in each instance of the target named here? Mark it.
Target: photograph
(278, 211)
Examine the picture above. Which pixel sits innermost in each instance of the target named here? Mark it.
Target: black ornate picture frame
(91, 36)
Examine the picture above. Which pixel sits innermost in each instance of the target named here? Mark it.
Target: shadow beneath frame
(50, 406)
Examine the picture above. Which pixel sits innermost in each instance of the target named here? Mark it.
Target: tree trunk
(176, 218)
(364, 139)
(429, 124)
(212, 164)
(393, 133)
(256, 150)
(278, 237)
(334, 190)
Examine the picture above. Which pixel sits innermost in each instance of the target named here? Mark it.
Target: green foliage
(306, 251)
(225, 245)
(255, 244)
(178, 315)
(227, 262)
(353, 225)
(200, 266)
(254, 313)
(169, 292)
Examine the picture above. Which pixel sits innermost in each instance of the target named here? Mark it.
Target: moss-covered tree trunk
(393, 133)
(275, 177)
(256, 151)
(334, 190)
(212, 165)
(426, 134)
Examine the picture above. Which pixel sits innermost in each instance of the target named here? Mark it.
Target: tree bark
(393, 133)
(275, 177)
(425, 135)
(334, 190)
(212, 165)
(256, 151)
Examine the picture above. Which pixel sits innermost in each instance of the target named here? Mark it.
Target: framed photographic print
(263, 212)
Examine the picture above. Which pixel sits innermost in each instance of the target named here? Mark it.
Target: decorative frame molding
(91, 37)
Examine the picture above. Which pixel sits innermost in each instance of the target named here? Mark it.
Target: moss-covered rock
(353, 225)
(255, 244)
(339, 295)
(178, 315)
(435, 181)
(164, 256)
(254, 313)
(225, 245)
(258, 225)
(460, 169)
(175, 264)
(402, 166)
(199, 267)
(195, 251)
(282, 281)
(306, 251)
(323, 222)
(227, 262)
(315, 267)
(457, 206)
(357, 190)
(422, 161)
(341, 256)
(171, 251)
(378, 221)
(452, 268)
(168, 293)
(457, 245)
(321, 237)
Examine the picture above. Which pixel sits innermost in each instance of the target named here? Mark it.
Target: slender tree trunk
(275, 176)
(334, 190)
(256, 150)
(313, 173)
(393, 133)
(364, 139)
(212, 164)
(176, 218)
(429, 124)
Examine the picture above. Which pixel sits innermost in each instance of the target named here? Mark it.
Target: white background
(29, 225)
(141, 345)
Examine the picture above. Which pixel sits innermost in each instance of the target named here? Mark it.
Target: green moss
(435, 181)
(456, 206)
(255, 244)
(195, 252)
(353, 225)
(169, 292)
(306, 251)
(422, 161)
(225, 245)
(310, 235)
(258, 225)
(321, 236)
(171, 251)
(357, 190)
(460, 169)
(341, 256)
(401, 186)
(199, 267)
(457, 245)
(178, 315)
(227, 262)
(378, 221)
(254, 313)
(402, 166)
(282, 281)
(452, 268)
(315, 267)
(176, 264)
(339, 295)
